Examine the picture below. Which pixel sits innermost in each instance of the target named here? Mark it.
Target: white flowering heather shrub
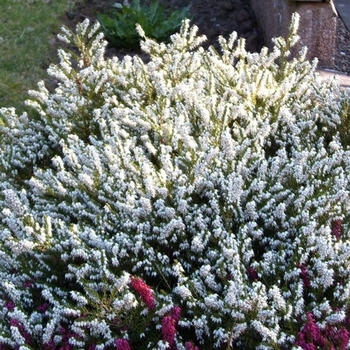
(199, 201)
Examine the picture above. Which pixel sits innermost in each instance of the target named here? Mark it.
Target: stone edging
(317, 29)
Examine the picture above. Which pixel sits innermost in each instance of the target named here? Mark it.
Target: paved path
(343, 9)
(342, 78)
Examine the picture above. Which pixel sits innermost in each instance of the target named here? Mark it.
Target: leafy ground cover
(155, 19)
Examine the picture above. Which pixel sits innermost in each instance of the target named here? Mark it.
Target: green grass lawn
(27, 35)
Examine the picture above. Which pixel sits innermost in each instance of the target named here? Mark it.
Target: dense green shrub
(199, 201)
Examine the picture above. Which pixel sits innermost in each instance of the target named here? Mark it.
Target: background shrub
(156, 21)
(199, 201)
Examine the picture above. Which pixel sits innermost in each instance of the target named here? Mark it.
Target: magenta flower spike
(144, 291)
(336, 228)
(122, 344)
(190, 346)
(169, 324)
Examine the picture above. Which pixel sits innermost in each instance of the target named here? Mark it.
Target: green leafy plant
(156, 21)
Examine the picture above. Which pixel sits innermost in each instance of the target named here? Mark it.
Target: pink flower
(169, 324)
(43, 307)
(304, 275)
(28, 284)
(336, 228)
(169, 329)
(10, 305)
(338, 335)
(122, 344)
(144, 291)
(252, 274)
(176, 313)
(342, 338)
(310, 337)
(15, 323)
(190, 346)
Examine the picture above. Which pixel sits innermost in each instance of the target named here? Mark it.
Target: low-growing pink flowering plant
(197, 201)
